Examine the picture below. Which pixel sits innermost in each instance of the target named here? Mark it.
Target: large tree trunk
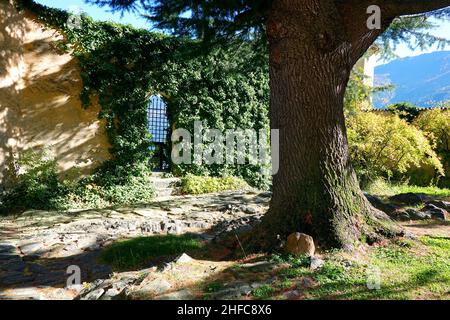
(315, 190)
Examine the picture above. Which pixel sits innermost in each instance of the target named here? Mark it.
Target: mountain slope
(423, 80)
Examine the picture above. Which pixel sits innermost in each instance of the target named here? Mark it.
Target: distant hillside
(423, 80)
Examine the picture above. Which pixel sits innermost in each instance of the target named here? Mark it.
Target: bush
(35, 184)
(405, 110)
(103, 189)
(385, 145)
(191, 184)
(435, 124)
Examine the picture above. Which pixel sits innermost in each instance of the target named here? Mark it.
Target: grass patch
(140, 252)
(263, 293)
(214, 287)
(191, 184)
(383, 188)
(405, 269)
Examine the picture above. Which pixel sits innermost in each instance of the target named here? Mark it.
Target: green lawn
(406, 270)
(382, 188)
(142, 252)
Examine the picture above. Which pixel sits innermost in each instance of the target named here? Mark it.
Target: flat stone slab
(39, 246)
(184, 294)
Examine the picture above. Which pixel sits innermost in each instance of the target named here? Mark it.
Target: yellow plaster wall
(39, 97)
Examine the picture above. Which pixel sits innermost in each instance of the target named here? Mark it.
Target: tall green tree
(313, 46)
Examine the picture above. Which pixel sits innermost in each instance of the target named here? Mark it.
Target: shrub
(405, 110)
(103, 189)
(191, 184)
(35, 184)
(435, 124)
(385, 145)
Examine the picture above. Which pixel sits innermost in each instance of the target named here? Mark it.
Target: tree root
(379, 226)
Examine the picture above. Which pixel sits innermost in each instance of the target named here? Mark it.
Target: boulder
(184, 294)
(316, 263)
(410, 214)
(380, 204)
(184, 258)
(153, 287)
(435, 212)
(94, 294)
(417, 215)
(410, 198)
(400, 215)
(440, 204)
(300, 243)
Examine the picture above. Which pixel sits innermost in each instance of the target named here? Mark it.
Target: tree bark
(315, 190)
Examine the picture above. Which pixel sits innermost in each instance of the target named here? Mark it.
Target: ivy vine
(122, 67)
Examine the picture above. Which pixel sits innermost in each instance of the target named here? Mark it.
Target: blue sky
(129, 18)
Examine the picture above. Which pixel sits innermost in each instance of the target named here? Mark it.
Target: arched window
(158, 125)
(158, 120)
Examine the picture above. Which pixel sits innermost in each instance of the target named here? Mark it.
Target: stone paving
(37, 247)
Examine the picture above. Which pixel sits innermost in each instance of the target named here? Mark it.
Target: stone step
(163, 186)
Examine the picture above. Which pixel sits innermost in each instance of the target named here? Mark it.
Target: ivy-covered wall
(122, 67)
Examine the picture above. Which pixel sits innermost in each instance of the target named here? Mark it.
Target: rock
(292, 295)
(184, 294)
(249, 210)
(197, 224)
(153, 287)
(31, 248)
(113, 294)
(440, 204)
(300, 243)
(234, 291)
(380, 204)
(75, 287)
(119, 288)
(417, 215)
(400, 215)
(94, 294)
(316, 263)
(307, 282)
(97, 284)
(226, 230)
(172, 227)
(23, 294)
(410, 214)
(435, 212)
(260, 266)
(409, 235)
(347, 264)
(165, 267)
(184, 258)
(410, 198)
(150, 227)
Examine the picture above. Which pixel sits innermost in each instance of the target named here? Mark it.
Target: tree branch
(354, 16)
(406, 7)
